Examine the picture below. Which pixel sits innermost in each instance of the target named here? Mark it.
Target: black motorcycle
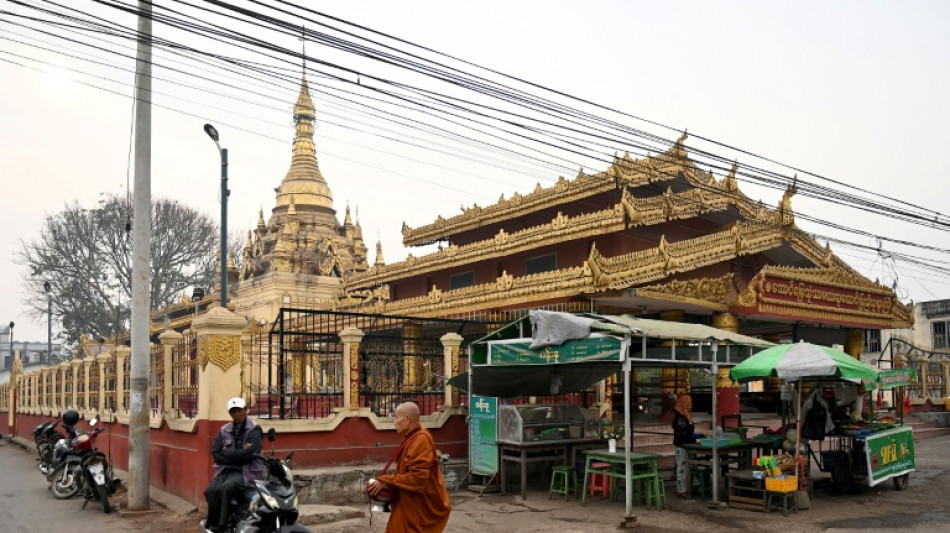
(273, 505)
(46, 436)
(80, 468)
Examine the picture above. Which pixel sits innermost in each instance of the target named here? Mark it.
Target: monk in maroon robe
(423, 505)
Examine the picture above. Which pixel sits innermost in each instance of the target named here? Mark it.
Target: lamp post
(213, 133)
(714, 345)
(49, 321)
(11, 345)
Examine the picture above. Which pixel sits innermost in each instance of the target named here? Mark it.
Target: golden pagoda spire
(304, 179)
(347, 221)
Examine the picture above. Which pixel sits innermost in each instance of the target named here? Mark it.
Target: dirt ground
(921, 507)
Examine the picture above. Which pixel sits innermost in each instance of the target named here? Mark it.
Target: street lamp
(196, 295)
(49, 321)
(11, 345)
(213, 133)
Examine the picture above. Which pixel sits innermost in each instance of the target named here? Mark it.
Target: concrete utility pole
(141, 275)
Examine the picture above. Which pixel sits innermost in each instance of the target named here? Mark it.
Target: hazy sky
(854, 91)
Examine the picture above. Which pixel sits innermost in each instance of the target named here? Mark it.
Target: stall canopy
(549, 353)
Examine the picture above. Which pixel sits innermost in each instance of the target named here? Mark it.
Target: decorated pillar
(16, 369)
(351, 338)
(219, 362)
(122, 354)
(168, 339)
(51, 398)
(727, 391)
(64, 387)
(44, 379)
(673, 380)
(412, 378)
(87, 366)
(854, 345)
(451, 343)
(772, 385)
(77, 364)
(101, 361)
(34, 392)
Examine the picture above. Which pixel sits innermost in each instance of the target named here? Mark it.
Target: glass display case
(518, 424)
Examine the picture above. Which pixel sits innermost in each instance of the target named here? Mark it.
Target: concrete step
(312, 514)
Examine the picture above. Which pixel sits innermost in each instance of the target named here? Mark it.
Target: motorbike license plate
(98, 473)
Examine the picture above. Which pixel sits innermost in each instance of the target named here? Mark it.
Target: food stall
(550, 353)
(541, 432)
(848, 447)
(871, 450)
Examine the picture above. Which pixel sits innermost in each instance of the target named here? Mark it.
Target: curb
(167, 500)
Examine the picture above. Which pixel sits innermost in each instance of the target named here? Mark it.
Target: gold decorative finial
(379, 252)
(786, 216)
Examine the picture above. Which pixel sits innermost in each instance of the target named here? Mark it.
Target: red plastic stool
(599, 482)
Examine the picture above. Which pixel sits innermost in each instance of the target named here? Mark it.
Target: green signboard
(889, 454)
(572, 351)
(899, 377)
(482, 435)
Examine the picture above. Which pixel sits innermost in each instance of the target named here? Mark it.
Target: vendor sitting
(683, 430)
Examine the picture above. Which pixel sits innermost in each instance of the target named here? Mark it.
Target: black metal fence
(294, 366)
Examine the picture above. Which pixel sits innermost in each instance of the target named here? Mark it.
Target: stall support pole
(628, 492)
(715, 441)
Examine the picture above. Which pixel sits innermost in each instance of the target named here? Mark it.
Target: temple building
(301, 255)
(650, 236)
(654, 237)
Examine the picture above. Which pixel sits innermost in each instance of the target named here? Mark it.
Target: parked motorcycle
(80, 468)
(273, 505)
(45, 436)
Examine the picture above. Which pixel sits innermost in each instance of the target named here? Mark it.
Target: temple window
(939, 330)
(542, 263)
(459, 281)
(872, 341)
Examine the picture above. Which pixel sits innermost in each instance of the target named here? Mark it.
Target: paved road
(27, 506)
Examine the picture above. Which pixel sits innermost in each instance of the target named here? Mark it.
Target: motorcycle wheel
(103, 498)
(66, 483)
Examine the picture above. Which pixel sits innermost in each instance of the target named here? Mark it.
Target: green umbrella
(801, 360)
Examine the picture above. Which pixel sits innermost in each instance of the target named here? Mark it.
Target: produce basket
(781, 484)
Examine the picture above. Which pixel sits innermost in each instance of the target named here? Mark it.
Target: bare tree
(85, 254)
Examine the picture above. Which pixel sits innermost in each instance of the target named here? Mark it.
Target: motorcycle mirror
(271, 434)
(94, 421)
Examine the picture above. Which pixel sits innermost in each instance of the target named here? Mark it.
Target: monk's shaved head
(408, 409)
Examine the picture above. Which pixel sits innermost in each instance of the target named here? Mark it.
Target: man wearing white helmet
(235, 465)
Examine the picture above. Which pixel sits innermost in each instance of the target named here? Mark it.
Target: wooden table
(697, 455)
(533, 451)
(747, 491)
(618, 458)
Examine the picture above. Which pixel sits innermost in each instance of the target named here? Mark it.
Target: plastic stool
(599, 482)
(563, 481)
(700, 481)
(784, 497)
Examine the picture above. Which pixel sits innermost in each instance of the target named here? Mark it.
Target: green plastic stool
(563, 481)
(700, 481)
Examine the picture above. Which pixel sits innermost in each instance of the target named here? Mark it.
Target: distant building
(31, 354)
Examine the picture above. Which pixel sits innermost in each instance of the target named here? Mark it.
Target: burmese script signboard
(779, 296)
(482, 435)
(592, 348)
(890, 454)
(899, 377)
